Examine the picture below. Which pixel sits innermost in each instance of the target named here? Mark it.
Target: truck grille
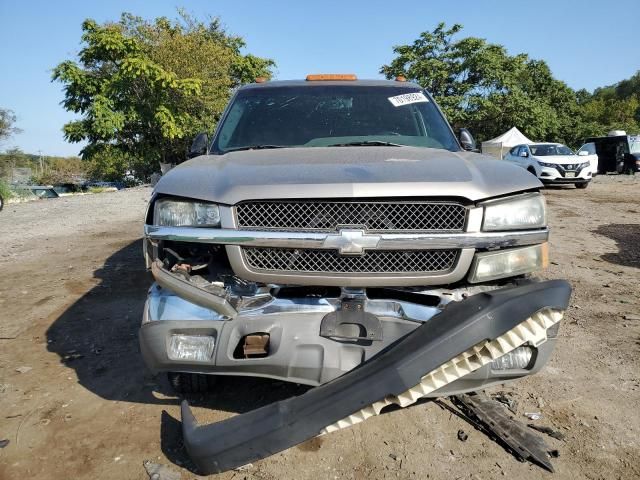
(328, 261)
(373, 216)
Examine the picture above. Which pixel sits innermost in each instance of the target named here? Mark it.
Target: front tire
(191, 382)
(582, 185)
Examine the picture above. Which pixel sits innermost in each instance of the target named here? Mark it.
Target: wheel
(191, 382)
(582, 185)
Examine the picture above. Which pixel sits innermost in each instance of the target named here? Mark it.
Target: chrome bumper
(298, 352)
(331, 241)
(465, 242)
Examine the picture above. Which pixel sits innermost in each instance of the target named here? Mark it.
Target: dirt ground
(76, 401)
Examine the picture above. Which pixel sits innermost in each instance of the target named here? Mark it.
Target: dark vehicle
(67, 188)
(617, 153)
(43, 191)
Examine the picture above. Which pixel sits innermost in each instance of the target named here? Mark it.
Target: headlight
(182, 213)
(584, 165)
(509, 263)
(550, 165)
(527, 211)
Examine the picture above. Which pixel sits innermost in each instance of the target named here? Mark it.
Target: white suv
(552, 163)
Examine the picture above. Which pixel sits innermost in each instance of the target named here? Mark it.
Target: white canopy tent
(498, 146)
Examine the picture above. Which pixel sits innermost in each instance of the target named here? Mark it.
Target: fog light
(191, 347)
(518, 358)
(509, 263)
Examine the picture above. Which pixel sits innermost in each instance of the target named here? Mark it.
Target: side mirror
(199, 146)
(583, 153)
(466, 140)
(524, 154)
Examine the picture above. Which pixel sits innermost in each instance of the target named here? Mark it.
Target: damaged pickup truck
(336, 233)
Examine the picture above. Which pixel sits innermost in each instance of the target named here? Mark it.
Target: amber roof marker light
(401, 78)
(327, 77)
(261, 79)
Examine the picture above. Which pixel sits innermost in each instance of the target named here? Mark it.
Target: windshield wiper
(367, 143)
(254, 147)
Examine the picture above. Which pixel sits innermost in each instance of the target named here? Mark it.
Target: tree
(613, 107)
(7, 121)
(479, 85)
(145, 89)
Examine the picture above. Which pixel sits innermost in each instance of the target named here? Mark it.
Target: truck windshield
(634, 145)
(332, 115)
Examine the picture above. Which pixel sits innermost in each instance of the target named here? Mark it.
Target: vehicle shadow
(627, 238)
(97, 336)
(549, 186)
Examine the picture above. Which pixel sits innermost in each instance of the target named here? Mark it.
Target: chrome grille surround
(312, 261)
(330, 215)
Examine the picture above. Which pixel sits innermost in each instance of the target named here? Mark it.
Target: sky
(586, 44)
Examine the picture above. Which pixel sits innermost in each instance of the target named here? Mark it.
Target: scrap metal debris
(4, 443)
(548, 430)
(511, 403)
(533, 415)
(462, 436)
(72, 355)
(490, 417)
(157, 471)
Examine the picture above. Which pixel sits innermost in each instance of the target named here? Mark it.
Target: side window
(590, 148)
(514, 150)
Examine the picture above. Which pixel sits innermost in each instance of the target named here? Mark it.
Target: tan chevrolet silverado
(335, 232)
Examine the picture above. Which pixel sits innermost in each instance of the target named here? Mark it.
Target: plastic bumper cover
(401, 368)
(551, 175)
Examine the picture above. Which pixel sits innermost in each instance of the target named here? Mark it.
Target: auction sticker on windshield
(408, 98)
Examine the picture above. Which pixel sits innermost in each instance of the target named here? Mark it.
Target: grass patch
(5, 191)
(100, 189)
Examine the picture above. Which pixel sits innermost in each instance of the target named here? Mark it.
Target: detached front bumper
(299, 350)
(451, 344)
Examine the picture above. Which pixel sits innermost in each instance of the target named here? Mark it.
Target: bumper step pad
(465, 336)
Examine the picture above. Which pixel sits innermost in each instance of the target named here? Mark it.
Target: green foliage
(5, 191)
(480, 86)
(7, 121)
(46, 170)
(15, 158)
(59, 170)
(615, 107)
(145, 89)
(108, 164)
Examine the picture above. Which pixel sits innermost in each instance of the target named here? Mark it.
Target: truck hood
(344, 172)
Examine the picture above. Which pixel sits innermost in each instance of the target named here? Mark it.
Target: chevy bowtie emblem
(351, 242)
